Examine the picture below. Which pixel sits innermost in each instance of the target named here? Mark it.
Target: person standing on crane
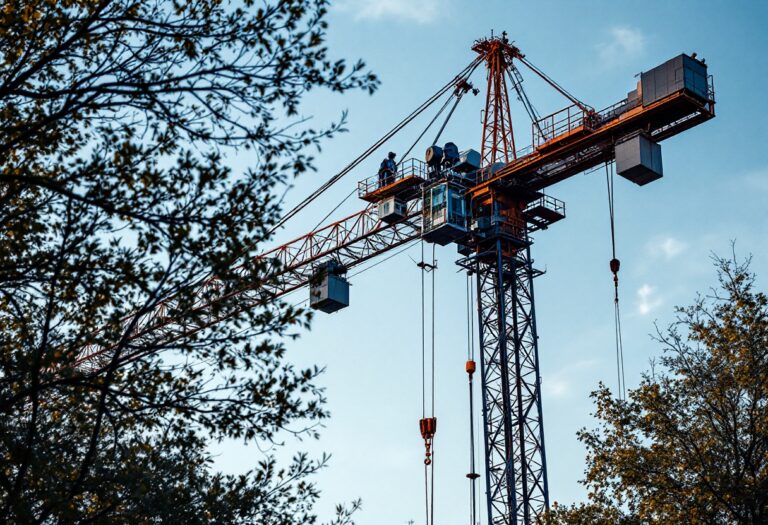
(387, 170)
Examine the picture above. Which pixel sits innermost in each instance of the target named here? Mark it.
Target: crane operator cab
(444, 213)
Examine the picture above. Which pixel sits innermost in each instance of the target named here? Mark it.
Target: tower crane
(488, 203)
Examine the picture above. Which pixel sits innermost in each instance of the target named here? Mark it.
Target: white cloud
(666, 246)
(757, 180)
(558, 385)
(625, 42)
(647, 299)
(421, 12)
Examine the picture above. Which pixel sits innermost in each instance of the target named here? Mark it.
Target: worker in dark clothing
(387, 170)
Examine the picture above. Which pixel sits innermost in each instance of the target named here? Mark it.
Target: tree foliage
(690, 444)
(117, 120)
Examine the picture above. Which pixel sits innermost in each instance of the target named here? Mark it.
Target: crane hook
(615, 265)
(428, 427)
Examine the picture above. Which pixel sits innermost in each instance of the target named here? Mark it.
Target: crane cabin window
(444, 213)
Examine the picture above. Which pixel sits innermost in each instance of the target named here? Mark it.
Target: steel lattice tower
(516, 478)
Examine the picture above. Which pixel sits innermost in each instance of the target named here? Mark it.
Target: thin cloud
(666, 247)
(420, 12)
(757, 180)
(647, 299)
(556, 387)
(558, 384)
(625, 42)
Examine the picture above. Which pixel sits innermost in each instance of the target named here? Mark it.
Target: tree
(690, 444)
(117, 117)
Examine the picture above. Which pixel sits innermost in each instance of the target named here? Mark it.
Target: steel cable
(622, 387)
(335, 178)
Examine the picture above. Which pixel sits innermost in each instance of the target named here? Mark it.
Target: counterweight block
(638, 159)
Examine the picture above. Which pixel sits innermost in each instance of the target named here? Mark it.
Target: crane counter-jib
(571, 153)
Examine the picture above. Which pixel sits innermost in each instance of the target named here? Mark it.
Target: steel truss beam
(516, 474)
(350, 241)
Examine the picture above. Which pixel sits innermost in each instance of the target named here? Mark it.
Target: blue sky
(714, 190)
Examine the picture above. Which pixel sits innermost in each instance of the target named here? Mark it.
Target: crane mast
(515, 458)
(488, 203)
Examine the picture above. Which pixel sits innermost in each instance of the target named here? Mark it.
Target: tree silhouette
(117, 118)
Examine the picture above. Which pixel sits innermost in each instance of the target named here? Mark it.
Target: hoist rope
(429, 473)
(469, 318)
(426, 493)
(432, 470)
(424, 377)
(434, 266)
(622, 387)
(423, 341)
(471, 357)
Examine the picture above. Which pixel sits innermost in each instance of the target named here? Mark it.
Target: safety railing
(560, 123)
(407, 168)
(548, 202)
(615, 110)
(711, 93)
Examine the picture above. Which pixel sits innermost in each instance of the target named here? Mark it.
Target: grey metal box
(392, 210)
(638, 159)
(330, 294)
(469, 160)
(677, 74)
